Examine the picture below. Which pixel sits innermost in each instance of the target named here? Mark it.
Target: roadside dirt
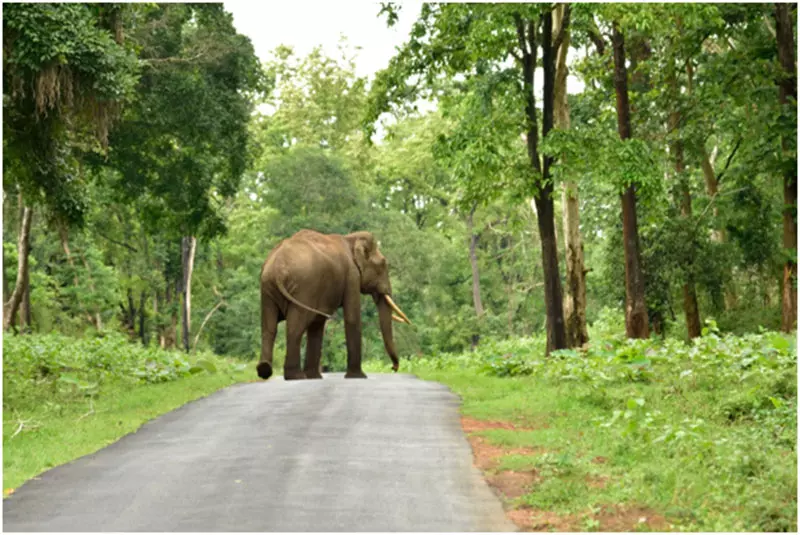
(510, 485)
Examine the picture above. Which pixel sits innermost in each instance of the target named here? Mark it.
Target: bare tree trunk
(23, 250)
(476, 279)
(159, 332)
(636, 324)
(188, 246)
(575, 295)
(690, 307)
(6, 287)
(787, 96)
(543, 189)
(25, 322)
(142, 301)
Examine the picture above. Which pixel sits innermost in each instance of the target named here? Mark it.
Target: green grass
(64, 398)
(703, 433)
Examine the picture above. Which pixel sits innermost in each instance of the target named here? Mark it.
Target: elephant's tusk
(398, 318)
(397, 309)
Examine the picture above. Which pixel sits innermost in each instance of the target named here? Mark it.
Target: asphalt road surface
(382, 454)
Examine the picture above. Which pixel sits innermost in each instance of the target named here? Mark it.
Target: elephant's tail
(288, 296)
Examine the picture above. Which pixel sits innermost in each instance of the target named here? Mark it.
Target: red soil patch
(470, 425)
(487, 455)
(612, 519)
(631, 517)
(528, 519)
(599, 460)
(513, 484)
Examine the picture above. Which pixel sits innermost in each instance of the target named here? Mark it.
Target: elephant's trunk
(385, 317)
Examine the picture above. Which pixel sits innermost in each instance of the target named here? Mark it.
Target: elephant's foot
(313, 375)
(358, 374)
(264, 370)
(291, 375)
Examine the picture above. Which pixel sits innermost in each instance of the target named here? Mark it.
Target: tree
(787, 82)
(575, 296)
(64, 79)
(636, 323)
(476, 41)
(188, 127)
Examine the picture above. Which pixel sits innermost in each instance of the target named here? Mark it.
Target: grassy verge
(696, 437)
(64, 398)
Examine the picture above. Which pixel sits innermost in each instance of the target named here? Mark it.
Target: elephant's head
(374, 272)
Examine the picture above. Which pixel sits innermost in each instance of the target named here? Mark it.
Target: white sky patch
(304, 24)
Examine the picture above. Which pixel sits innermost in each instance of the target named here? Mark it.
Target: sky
(305, 24)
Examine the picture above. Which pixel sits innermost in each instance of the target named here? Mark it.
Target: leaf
(633, 403)
(780, 343)
(207, 365)
(69, 379)
(777, 403)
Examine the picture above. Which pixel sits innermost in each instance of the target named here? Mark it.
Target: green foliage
(704, 433)
(64, 397)
(188, 126)
(60, 369)
(64, 78)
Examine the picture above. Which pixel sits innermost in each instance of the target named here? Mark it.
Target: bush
(44, 367)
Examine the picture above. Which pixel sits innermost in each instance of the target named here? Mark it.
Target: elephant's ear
(362, 245)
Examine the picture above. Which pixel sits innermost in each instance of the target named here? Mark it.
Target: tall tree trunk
(636, 324)
(787, 95)
(575, 295)
(25, 322)
(690, 307)
(543, 187)
(25, 303)
(188, 246)
(159, 331)
(476, 279)
(142, 301)
(23, 250)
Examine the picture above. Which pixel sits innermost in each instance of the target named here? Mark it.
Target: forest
(569, 175)
(142, 191)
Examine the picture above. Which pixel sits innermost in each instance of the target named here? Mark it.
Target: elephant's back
(306, 257)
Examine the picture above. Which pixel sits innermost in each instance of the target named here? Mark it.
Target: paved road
(384, 454)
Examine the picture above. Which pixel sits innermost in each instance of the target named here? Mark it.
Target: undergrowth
(705, 433)
(65, 397)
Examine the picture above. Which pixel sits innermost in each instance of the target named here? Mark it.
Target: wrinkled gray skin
(304, 280)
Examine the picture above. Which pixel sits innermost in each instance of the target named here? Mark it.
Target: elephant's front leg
(314, 349)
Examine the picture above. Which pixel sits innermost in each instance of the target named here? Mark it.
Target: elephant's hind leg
(269, 326)
(297, 320)
(314, 349)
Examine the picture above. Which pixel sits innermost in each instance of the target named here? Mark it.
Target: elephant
(305, 279)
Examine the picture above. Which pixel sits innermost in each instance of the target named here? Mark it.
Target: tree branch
(112, 240)
(532, 35)
(208, 316)
(562, 30)
(728, 162)
(521, 34)
(151, 62)
(597, 39)
(711, 203)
